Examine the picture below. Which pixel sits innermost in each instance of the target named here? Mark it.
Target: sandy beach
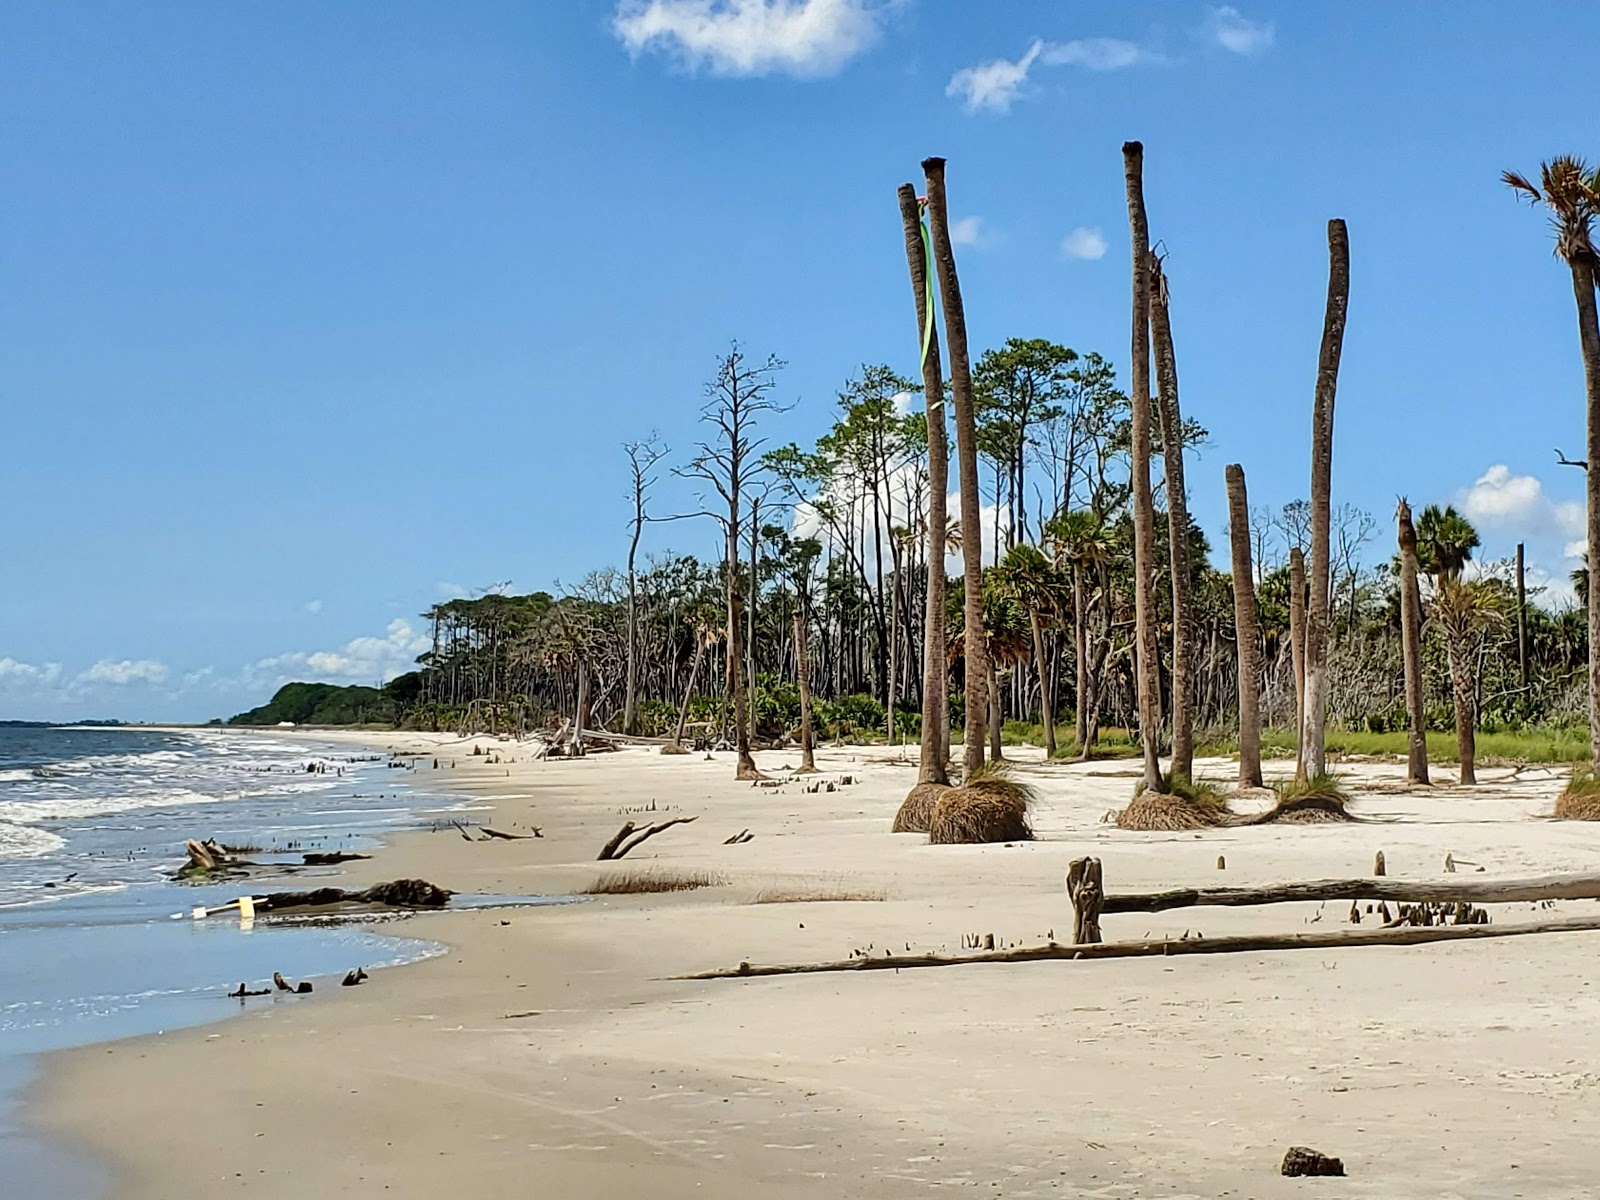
(551, 1053)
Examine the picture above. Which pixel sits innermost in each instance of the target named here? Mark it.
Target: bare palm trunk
(1297, 653)
(1461, 694)
(955, 324)
(1171, 416)
(996, 719)
(1333, 322)
(802, 673)
(935, 670)
(1044, 684)
(688, 692)
(1144, 534)
(746, 768)
(1080, 654)
(1411, 648)
(581, 719)
(1247, 630)
(1584, 284)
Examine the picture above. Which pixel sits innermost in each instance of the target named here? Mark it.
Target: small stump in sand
(1302, 1160)
(916, 812)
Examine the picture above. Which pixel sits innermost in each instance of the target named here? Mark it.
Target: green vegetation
(330, 704)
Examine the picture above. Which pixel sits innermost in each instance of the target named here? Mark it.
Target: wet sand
(550, 1052)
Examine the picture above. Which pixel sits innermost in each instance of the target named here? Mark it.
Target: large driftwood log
(1165, 946)
(1475, 891)
(399, 893)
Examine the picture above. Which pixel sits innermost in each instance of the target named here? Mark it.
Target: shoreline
(552, 1043)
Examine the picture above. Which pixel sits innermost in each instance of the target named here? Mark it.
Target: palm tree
(1247, 629)
(1314, 760)
(935, 755)
(1411, 647)
(1029, 578)
(1171, 417)
(1464, 611)
(955, 325)
(1445, 542)
(706, 623)
(1570, 189)
(1147, 653)
(1082, 544)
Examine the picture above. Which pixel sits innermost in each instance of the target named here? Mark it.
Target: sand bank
(550, 1054)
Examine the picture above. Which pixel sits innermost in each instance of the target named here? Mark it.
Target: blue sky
(316, 314)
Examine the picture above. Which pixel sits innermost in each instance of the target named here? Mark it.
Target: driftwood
(1476, 891)
(211, 858)
(1301, 1160)
(399, 893)
(1088, 897)
(1409, 936)
(630, 835)
(332, 858)
(511, 837)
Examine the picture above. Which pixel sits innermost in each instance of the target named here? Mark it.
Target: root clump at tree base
(916, 811)
(991, 807)
(1187, 805)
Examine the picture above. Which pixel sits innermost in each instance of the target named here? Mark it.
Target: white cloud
(966, 231)
(13, 672)
(1095, 54)
(1229, 28)
(367, 660)
(1576, 549)
(751, 37)
(122, 672)
(313, 606)
(1517, 504)
(903, 402)
(992, 86)
(1084, 242)
(446, 590)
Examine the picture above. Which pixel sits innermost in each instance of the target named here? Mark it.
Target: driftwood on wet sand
(398, 893)
(211, 858)
(1408, 936)
(630, 835)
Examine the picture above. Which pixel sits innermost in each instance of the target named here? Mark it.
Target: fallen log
(1475, 891)
(510, 837)
(398, 893)
(1407, 936)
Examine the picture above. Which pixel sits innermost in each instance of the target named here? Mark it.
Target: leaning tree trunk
(1148, 684)
(802, 674)
(955, 324)
(1459, 654)
(1411, 648)
(1297, 653)
(1316, 760)
(688, 692)
(1247, 630)
(1584, 283)
(1171, 416)
(746, 768)
(1044, 684)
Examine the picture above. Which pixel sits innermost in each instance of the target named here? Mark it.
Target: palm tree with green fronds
(1445, 542)
(1031, 579)
(1465, 611)
(1570, 190)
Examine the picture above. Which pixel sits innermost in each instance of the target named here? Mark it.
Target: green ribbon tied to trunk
(927, 307)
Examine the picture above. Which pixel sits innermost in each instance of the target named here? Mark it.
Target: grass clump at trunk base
(991, 806)
(1580, 799)
(916, 812)
(1318, 800)
(1187, 804)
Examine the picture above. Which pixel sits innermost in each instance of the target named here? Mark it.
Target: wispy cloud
(122, 672)
(804, 38)
(1084, 242)
(966, 231)
(26, 674)
(993, 86)
(313, 606)
(361, 660)
(1227, 27)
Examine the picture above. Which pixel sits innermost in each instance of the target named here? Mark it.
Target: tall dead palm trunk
(1171, 417)
(802, 674)
(1315, 761)
(932, 766)
(1297, 652)
(955, 325)
(1042, 666)
(1247, 629)
(1571, 190)
(1147, 676)
(1411, 648)
(1080, 655)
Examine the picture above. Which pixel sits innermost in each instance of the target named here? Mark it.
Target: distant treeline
(331, 704)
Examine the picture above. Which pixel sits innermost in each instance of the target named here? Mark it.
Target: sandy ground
(549, 1054)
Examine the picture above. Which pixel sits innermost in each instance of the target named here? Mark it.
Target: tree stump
(1088, 896)
(1377, 864)
(1222, 863)
(1302, 1160)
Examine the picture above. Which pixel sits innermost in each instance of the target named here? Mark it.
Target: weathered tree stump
(1222, 863)
(1377, 864)
(1088, 896)
(1302, 1160)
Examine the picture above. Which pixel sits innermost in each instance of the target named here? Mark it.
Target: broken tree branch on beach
(620, 844)
(1450, 891)
(1408, 936)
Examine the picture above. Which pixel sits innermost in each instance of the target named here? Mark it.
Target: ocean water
(95, 938)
